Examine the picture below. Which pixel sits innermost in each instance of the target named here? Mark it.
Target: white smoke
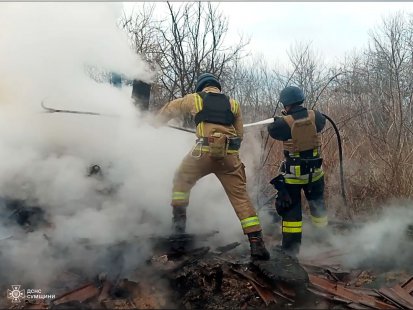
(380, 243)
(46, 50)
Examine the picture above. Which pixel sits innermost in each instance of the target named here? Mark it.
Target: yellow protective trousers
(230, 171)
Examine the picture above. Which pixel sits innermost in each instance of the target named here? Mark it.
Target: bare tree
(141, 28)
(373, 100)
(188, 41)
(192, 42)
(309, 73)
(256, 87)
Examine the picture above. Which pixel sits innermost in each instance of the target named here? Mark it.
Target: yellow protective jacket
(192, 104)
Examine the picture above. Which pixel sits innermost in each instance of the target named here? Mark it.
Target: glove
(282, 203)
(283, 200)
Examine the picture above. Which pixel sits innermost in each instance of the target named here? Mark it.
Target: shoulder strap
(311, 115)
(202, 94)
(289, 120)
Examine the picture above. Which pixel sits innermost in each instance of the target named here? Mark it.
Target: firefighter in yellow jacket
(219, 130)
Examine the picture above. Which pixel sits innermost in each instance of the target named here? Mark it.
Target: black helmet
(291, 95)
(206, 78)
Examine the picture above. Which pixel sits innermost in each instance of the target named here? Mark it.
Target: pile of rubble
(180, 275)
(182, 271)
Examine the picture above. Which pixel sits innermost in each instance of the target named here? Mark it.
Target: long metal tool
(53, 110)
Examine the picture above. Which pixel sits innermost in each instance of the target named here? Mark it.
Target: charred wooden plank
(227, 248)
(141, 93)
(104, 294)
(80, 294)
(266, 295)
(178, 244)
(408, 285)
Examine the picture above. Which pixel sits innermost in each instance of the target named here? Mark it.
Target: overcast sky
(334, 28)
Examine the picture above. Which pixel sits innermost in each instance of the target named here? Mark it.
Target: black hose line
(340, 154)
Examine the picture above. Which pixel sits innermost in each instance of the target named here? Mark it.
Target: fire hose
(340, 156)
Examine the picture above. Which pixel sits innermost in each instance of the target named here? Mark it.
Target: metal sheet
(398, 295)
(341, 291)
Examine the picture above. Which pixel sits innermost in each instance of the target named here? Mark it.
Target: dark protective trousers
(292, 219)
(230, 171)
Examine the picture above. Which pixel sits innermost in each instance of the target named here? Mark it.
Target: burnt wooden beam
(141, 93)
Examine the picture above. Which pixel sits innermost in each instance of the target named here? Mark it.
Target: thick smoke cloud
(47, 52)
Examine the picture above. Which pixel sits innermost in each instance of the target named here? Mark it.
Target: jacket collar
(211, 89)
(296, 109)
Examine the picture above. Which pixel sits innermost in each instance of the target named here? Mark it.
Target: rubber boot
(258, 250)
(292, 251)
(291, 245)
(179, 220)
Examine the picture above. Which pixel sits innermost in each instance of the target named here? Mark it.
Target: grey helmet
(207, 78)
(291, 95)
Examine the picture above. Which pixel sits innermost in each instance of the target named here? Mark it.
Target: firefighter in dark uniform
(219, 131)
(299, 129)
